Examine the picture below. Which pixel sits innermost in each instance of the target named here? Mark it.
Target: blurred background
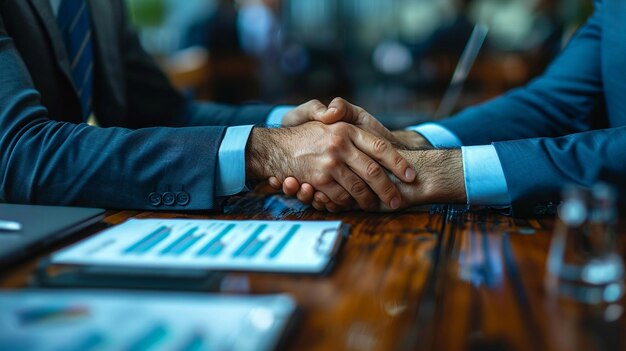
(393, 57)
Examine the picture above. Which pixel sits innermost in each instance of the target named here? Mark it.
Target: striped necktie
(75, 24)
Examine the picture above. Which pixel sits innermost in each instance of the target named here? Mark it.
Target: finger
(321, 201)
(321, 197)
(315, 110)
(306, 193)
(336, 192)
(355, 186)
(291, 186)
(340, 110)
(275, 183)
(377, 179)
(318, 206)
(382, 151)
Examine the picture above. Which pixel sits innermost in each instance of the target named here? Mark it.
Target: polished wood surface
(430, 279)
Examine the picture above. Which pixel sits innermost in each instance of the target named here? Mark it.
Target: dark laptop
(28, 228)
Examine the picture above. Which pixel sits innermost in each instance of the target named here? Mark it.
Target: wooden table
(439, 279)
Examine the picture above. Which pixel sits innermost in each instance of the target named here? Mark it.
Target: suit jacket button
(169, 199)
(154, 199)
(183, 198)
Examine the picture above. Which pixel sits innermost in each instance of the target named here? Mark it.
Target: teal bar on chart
(181, 244)
(215, 246)
(149, 241)
(284, 241)
(249, 243)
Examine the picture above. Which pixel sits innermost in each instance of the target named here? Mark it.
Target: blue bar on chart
(215, 246)
(152, 338)
(252, 244)
(284, 241)
(149, 241)
(184, 242)
(195, 343)
(256, 246)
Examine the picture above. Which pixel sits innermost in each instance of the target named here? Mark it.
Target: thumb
(341, 110)
(332, 115)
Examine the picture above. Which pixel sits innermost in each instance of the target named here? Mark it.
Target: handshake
(338, 157)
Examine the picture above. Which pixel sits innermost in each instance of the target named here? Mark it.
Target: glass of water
(584, 263)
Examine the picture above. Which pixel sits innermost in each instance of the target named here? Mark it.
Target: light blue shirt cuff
(277, 114)
(437, 135)
(485, 183)
(231, 161)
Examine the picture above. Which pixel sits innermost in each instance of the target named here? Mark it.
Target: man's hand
(440, 180)
(339, 110)
(341, 160)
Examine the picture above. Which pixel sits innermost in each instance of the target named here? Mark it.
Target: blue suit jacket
(567, 126)
(48, 157)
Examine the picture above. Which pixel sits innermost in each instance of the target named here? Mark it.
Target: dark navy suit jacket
(47, 156)
(567, 126)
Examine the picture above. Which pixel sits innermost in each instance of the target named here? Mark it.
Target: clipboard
(80, 266)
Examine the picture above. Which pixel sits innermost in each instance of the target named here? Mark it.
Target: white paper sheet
(271, 246)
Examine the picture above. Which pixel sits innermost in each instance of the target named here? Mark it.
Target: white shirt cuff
(485, 183)
(231, 161)
(437, 136)
(275, 118)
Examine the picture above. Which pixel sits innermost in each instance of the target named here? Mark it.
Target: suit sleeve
(153, 101)
(562, 101)
(537, 169)
(43, 161)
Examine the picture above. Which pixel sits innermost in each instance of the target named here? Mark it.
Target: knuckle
(389, 190)
(341, 128)
(343, 198)
(398, 162)
(319, 198)
(380, 145)
(331, 163)
(358, 188)
(322, 179)
(374, 170)
(337, 143)
(362, 114)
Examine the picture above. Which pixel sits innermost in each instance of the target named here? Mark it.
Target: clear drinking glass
(583, 262)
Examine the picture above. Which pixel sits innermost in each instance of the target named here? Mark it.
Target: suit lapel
(44, 11)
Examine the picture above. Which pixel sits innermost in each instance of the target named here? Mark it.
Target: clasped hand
(333, 157)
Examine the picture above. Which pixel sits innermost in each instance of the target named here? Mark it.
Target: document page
(270, 246)
(107, 320)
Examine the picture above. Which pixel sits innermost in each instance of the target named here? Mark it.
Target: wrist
(263, 152)
(411, 139)
(439, 176)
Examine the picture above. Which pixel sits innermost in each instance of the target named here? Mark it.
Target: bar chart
(291, 246)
